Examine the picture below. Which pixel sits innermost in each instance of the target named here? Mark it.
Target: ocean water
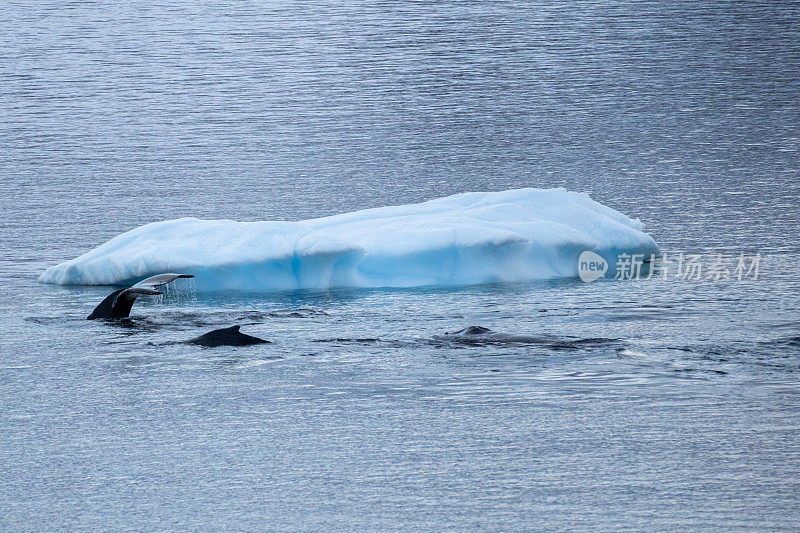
(658, 404)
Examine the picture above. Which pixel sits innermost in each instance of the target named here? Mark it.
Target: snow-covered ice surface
(464, 239)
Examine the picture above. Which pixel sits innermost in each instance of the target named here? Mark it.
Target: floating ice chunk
(468, 238)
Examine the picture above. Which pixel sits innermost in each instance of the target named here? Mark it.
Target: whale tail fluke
(160, 279)
(118, 304)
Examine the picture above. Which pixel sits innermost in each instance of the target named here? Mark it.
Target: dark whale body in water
(480, 336)
(118, 304)
(477, 335)
(226, 337)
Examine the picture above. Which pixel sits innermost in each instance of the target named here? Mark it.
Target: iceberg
(464, 239)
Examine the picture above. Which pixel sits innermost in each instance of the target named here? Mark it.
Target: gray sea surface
(660, 404)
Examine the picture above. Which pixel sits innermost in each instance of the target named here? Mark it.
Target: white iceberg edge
(464, 239)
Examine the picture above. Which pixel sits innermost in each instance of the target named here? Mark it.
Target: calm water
(663, 405)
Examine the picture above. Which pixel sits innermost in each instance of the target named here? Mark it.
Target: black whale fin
(225, 337)
(118, 304)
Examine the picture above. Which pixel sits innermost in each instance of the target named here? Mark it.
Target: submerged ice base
(469, 238)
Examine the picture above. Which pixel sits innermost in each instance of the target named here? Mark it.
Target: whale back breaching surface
(226, 337)
(118, 304)
(478, 335)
